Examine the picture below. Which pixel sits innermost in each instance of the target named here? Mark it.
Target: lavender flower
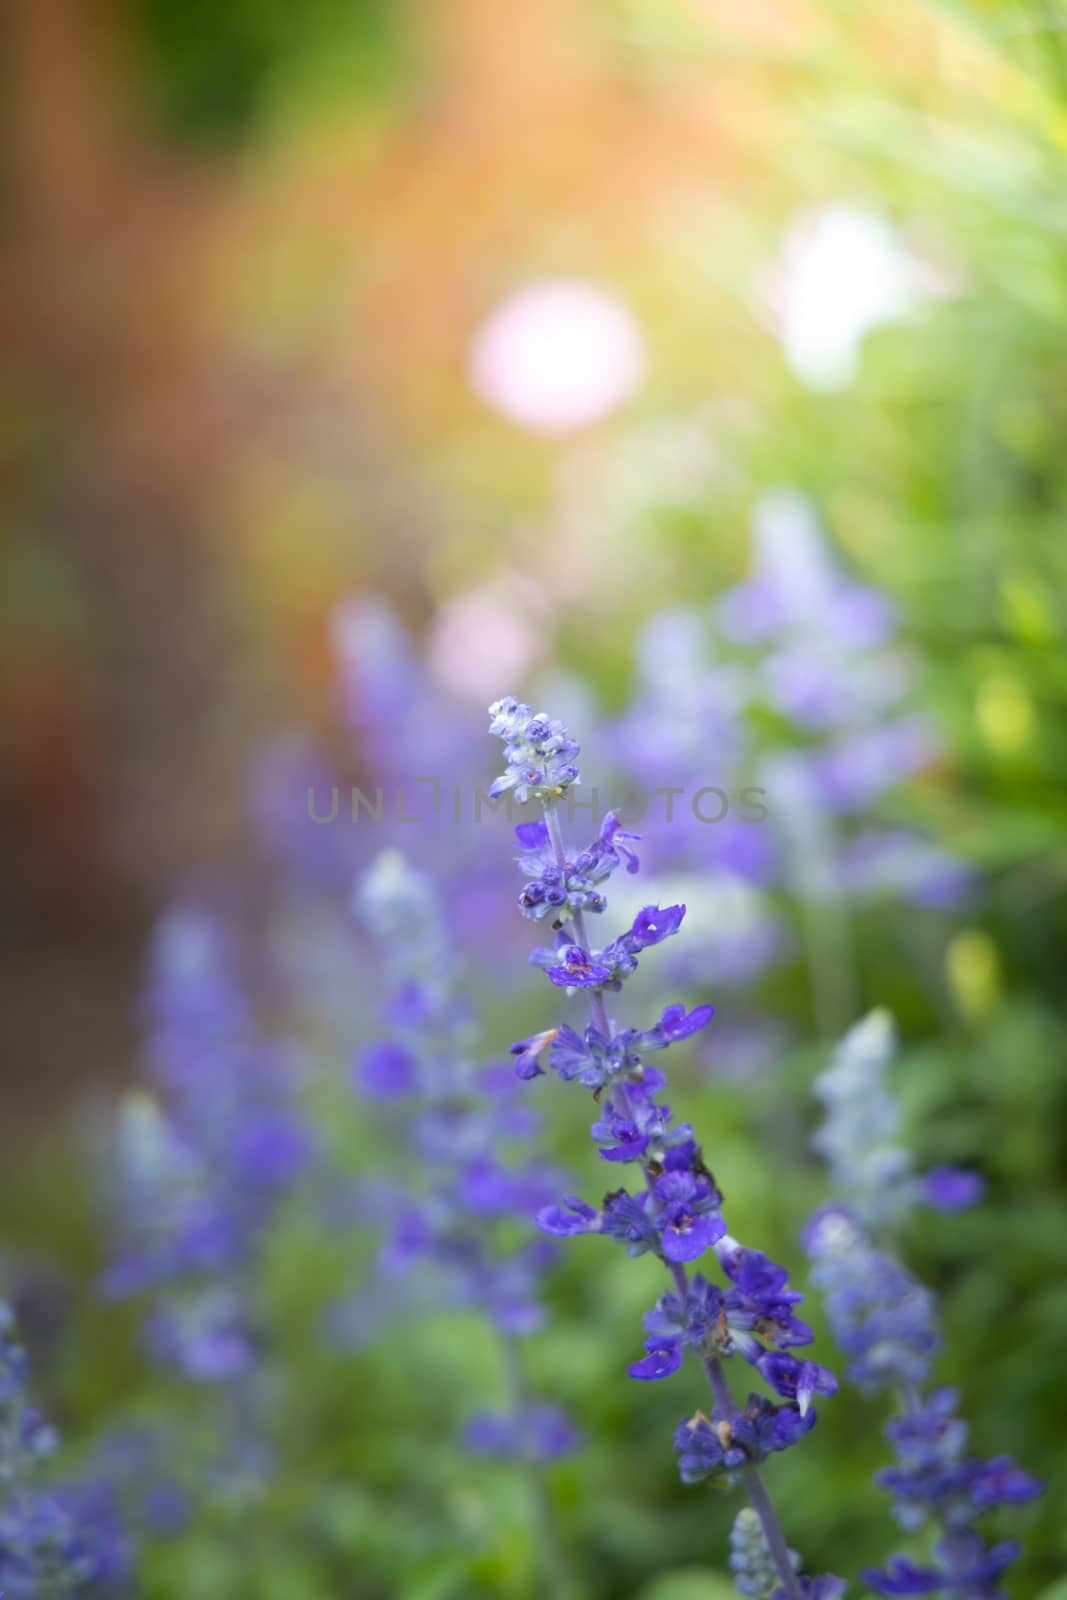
(538, 753)
(204, 1162)
(464, 1122)
(58, 1541)
(677, 1215)
(559, 891)
(884, 1321)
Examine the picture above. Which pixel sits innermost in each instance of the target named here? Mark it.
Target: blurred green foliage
(218, 74)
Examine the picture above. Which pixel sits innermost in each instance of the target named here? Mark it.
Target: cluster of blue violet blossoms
(204, 1160)
(53, 1542)
(677, 1214)
(465, 1129)
(884, 1321)
(204, 1163)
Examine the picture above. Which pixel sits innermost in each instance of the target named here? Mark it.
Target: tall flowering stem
(677, 1216)
(205, 1157)
(885, 1322)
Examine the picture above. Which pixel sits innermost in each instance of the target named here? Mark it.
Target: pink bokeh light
(558, 355)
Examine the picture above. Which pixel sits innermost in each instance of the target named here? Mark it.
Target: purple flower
(386, 1071)
(716, 1447)
(795, 1380)
(760, 1302)
(880, 1315)
(628, 1137)
(664, 1357)
(675, 1025)
(563, 889)
(533, 1433)
(621, 1138)
(965, 1568)
(706, 1450)
(677, 1214)
(951, 1188)
(884, 1320)
(527, 1053)
(538, 752)
(652, 925)
(688, 1215)
(578, 970)
(999, 1482)
(572, 1217)
(612, 842)
(626, 1218)
(532, 836)
(485, 1188)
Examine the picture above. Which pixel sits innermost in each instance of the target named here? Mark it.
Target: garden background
(367, 360)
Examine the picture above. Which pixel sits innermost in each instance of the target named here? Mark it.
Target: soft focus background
(697, 370)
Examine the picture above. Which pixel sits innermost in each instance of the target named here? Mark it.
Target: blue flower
(561, 889)
(759, 1302)
(573, 1216)
(538, 752)
(577, 969)
(663, 1357)
(675, 1325)
(706, 1450)
(59, 1540)
(716, 1448)
(643, 1131)
(795, 1380)
(934, 1478)
(462, 1178)
(884, 1320)
(688, 1215)
(626, 1218)
(527, 1053)
(652, 925)
(535, 1433)
(965, 1567)
(675, 1025)
(677, 1215)
(881, 1317)
(951, 1188)
(386, 1071)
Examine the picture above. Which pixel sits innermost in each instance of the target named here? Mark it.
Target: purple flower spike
(676, 1214)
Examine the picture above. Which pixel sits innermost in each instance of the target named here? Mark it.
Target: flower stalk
(678, 1214)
